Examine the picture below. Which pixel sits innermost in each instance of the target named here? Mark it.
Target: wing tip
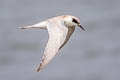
(23, 27)
(38, 69)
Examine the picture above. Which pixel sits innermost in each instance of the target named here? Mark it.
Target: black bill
(81, 27)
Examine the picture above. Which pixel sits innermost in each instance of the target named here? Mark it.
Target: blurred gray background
(90, 55)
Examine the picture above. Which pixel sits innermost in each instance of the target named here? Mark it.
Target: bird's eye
(75, 21)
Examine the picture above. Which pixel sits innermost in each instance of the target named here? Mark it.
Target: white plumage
(60, 29)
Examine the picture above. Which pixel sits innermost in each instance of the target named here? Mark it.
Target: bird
(60, 29)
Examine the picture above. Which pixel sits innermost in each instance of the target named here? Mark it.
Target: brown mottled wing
(57, 35)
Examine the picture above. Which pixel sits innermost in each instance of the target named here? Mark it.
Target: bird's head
(72, 21)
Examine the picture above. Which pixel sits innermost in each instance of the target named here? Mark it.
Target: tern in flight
(60, 29)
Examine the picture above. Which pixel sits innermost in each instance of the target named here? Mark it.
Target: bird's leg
(41, 25)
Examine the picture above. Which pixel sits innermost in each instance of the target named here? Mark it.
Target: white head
(72, 21)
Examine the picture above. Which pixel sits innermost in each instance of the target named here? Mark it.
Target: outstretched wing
(70, 31)
(57, 35)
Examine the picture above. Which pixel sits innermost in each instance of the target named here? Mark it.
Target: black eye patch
(74, 20)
